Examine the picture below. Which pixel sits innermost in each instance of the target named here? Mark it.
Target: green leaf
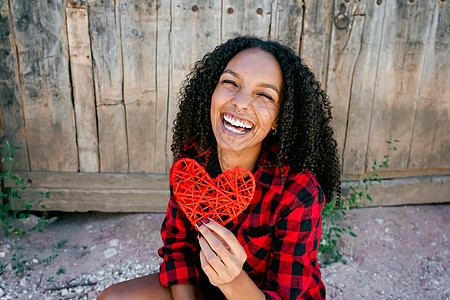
(352, 234)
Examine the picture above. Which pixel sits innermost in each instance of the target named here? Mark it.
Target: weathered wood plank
(138, 31)
(388, 192)
(413, 190)
(162, 156)
(111, 138)
(345, 47)
(83, 88)
(249, 17)
(44, 76)
(286, 23)
(362, 82)
(109, 181)
(318, 19)
(431, 139)
(199, 24)
(104, 27)
(96, 200)
(406, 29)
(12, 125)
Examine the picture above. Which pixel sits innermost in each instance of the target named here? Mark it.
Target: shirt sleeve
(293, 270)
(180, 248)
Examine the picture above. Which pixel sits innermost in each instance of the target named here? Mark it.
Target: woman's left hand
(221, 255)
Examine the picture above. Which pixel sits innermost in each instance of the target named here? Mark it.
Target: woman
(251, 104)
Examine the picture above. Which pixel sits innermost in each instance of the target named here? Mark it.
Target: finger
(216, 242)
(226, 235)
(212, 259)
(206, 267)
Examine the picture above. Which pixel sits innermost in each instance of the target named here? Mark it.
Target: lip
(222, 125)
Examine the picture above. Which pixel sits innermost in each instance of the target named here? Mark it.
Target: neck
(245, 159)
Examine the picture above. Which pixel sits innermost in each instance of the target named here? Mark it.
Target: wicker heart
(221, 199)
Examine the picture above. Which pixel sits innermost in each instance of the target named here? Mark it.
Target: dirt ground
(400, 253)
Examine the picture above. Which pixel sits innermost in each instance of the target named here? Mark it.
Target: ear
(275, 124)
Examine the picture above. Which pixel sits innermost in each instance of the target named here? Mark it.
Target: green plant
(56, 249)
(18, 261)
(60, 271)
(332, 213)
(10, 196)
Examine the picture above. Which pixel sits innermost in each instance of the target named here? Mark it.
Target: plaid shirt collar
(267, 173)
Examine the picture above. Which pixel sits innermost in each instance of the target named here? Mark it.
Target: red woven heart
(221, 199)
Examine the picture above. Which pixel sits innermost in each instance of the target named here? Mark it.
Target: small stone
(101, 272)
(93, 247)
(138, 267)
(64, 292)
(91, 294)
(23, 282)
(110, 252)
(2, 292)
(2, 254)
(35, 260)
(379, 221)
(31, 220)
(433, 244)
(113, 243)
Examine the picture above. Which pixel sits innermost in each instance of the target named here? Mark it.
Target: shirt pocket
(257, 246)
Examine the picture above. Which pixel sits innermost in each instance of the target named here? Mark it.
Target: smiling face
(246, 101)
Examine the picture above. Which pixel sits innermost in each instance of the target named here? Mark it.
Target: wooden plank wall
(91, 86)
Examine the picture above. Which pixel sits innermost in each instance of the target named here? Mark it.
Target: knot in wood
(259, 11)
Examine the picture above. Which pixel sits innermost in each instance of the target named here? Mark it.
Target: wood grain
(83, 88)
(97, 200)
(430, 146)
(12, 123)
(361, 96)
(345, 48)
(406, 29)
(318, 19)
(44, 76)
(104, 27)
(195, 31)
(286, 23)
(109, 181)
(162, 156)
(138, 21)
(249, 17)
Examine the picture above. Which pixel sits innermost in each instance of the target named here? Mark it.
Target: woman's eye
(229, 82)
(267, 96)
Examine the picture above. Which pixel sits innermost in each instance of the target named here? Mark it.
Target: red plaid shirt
(280, 232)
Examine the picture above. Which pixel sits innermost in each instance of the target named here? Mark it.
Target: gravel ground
(400, 253)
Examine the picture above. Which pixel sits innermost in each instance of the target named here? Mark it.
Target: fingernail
(206, 220)
(199, 223)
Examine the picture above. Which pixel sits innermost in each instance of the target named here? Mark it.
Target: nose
(241, 101)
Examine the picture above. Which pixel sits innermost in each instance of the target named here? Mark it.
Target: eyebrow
(266, 85)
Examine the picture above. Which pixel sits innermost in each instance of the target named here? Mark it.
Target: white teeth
(232, 129)
(237, 123)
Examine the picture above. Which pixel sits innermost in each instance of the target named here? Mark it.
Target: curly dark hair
(304, 134)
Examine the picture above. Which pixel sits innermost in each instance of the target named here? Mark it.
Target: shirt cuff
(177, 272)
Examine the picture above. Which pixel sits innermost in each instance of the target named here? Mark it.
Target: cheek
(267, 113)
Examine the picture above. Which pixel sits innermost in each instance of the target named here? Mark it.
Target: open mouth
(236, 125)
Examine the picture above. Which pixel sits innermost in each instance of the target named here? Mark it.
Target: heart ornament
(221, 199)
